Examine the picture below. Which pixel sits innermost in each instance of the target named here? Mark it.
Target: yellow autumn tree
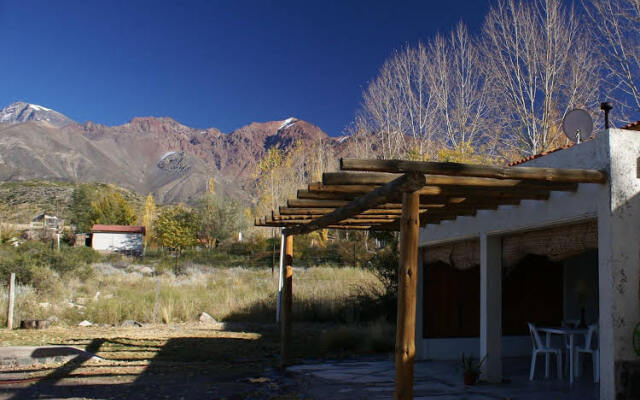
(148, 216)
(211, 186)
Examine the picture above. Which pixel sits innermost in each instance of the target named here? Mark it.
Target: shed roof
(118, 228)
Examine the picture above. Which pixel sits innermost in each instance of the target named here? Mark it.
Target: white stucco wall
(114, 241)
(619, 259)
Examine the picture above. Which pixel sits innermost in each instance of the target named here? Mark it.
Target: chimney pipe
(606, 107)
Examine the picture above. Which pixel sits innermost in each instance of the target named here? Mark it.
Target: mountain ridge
(156, 155)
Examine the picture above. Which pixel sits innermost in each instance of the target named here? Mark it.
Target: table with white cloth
(566, 331)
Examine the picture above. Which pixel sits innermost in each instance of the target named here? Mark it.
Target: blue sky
(206, 64)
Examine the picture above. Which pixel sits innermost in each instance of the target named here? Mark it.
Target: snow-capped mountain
(146, 154)
(23, 112)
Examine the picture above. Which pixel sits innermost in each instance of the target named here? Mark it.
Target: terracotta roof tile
(634, 126)
(118, 228)
(544, 153)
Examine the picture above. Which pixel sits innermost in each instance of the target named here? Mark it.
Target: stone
(131, 324)
(146, 271)
(206, 318)
(53, 320)
(44, 305)
(85, 323)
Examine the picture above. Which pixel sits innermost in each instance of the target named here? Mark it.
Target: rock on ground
(206, 318)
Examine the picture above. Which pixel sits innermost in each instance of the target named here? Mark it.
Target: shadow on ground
(231, 366)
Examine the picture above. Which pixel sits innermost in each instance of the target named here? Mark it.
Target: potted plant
(471, 369)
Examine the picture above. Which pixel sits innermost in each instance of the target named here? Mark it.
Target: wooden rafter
(472, 170)
(445, 191)
(380, 195)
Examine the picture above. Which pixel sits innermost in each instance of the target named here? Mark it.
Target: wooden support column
(287, 301)
(407, 278)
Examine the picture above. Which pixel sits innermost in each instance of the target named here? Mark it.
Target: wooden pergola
(399, 195)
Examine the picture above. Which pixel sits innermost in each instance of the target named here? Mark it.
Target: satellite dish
(577, 125)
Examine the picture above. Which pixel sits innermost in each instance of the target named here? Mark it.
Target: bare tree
(538, 63)
(398, 107)
(360, 142)
(457, 85)
(616, 27)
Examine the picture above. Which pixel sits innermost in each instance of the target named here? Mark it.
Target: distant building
(45, 221)
(117, 238)
(44, 227)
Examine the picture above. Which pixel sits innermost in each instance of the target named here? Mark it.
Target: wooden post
(407, 276)
(12, 295)
(280, 279)
(287, 301)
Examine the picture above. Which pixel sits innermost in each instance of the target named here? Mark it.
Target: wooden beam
(317, 211)
(318, 203)
(433, 198)
(305, 194)
(348, 221)
(376, 178)
(287, 301)
(381, 195)
(521, 191)
(358, 189)
(407, 278)
(312, 203)
(456, 169)
(354, 178)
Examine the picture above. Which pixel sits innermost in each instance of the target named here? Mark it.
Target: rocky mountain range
(148, 155)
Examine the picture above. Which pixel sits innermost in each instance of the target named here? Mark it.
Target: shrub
(74, 258)
(46, 282)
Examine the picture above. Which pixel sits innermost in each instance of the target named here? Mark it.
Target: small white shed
(117, 238)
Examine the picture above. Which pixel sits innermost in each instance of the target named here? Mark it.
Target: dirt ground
(185, 361)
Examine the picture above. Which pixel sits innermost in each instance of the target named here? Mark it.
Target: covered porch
(547, 277)
(404, 195)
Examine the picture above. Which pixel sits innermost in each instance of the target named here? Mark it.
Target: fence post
(12, 295)
(155, 301)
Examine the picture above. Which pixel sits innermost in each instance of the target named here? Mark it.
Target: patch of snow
(167, 154)
(342, 139)
(287, 123)
(39, 108)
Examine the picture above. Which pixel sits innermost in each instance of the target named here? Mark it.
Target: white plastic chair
(539, 347)
(590, 346)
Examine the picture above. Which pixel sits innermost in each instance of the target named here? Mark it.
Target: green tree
(112, 208)
(218, 218)
(176, 228)
(81, 209)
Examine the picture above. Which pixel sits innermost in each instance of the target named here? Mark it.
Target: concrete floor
(373, 379)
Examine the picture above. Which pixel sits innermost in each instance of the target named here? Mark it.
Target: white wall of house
(117, 241)
(616, 205)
